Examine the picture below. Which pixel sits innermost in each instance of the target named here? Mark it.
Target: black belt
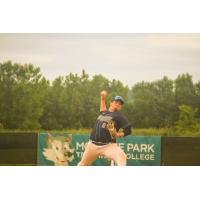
(99, 143)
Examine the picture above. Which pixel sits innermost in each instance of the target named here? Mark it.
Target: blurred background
(51, 82)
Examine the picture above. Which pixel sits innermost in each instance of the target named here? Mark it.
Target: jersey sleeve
(122, 120)
(124, 124)
(102, 112)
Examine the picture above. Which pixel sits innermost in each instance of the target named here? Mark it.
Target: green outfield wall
(37, 149)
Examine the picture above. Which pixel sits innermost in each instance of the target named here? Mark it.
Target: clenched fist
(103, 93)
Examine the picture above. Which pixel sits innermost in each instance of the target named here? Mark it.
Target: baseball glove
(111, 129)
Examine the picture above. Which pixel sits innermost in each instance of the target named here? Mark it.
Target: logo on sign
(138, 151)
(58, 150)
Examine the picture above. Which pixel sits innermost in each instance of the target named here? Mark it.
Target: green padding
(18, 156)
(139, 150)
(181, 151)
(18, 140)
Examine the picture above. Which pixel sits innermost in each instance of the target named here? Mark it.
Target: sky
(130, 57)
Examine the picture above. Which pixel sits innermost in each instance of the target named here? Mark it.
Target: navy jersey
(100, 132)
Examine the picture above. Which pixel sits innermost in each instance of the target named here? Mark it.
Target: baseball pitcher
(103, 137)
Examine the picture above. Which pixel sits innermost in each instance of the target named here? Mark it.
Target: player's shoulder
(121, 115)
(103, 112)
(118, 114)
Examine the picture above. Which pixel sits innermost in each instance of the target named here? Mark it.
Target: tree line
(28, 101)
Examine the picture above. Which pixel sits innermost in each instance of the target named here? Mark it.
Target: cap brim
(120, 101)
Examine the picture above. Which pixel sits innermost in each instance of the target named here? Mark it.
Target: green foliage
(21, 89)
(197, 98)
(1, 126)
(184, 90)
(153, 104)
(29, 102)
(187, 122)
(73, 101)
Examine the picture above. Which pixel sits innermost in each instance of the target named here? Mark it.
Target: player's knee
(84, 163)
(121, 160)
(123, 156)
(81, 163)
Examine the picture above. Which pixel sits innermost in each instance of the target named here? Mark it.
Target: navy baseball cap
(118, 98)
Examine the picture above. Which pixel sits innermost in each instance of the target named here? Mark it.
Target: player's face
(116, 105)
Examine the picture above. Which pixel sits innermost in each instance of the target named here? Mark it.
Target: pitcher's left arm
(125, 125)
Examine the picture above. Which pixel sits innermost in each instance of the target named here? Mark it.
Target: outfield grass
(139, 132)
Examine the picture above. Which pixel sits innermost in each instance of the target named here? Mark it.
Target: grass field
(139, 132)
